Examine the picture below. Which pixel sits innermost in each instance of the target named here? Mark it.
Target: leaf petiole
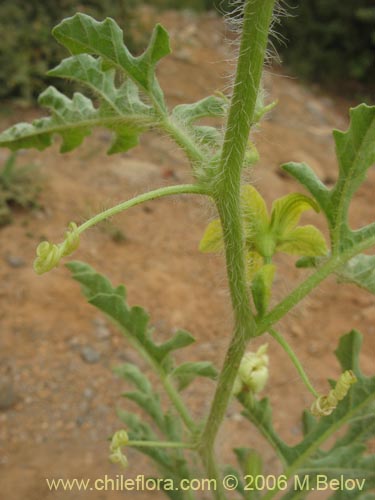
(284, 344)
(159, 444)
(302, 290)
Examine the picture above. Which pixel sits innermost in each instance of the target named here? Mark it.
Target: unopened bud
(119, 440)
(252, 375)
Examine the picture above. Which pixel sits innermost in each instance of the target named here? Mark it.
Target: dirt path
(57, 352)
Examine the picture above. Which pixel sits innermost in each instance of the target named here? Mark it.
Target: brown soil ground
(65, 407)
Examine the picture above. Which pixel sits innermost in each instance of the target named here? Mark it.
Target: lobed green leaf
(184, 374)
(73, 119)
(360, 270)
(133, 321)
(209, 107)
(355, 151)
(145, 397)
(120, 108)
(81, 34)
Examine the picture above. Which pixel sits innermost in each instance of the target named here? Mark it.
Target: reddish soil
(65, 407)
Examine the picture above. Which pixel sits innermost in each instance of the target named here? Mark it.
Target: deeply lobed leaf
(72, 118)
(81, 34)
(133, 321)
(360, 270)
(187, 372)
(355, 151)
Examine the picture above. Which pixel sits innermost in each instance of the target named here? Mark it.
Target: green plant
(248, 234)
(18, 188)
(331, 41)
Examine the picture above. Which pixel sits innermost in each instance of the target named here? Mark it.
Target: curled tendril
(119, 440)
(50, 254)
(325, 405)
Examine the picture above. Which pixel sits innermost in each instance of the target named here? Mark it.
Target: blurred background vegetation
(327, 41)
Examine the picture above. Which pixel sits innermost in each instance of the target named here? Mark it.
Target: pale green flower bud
(238, 386)
(119, 440)
(252, 375)
(117, 457)
(50, 254)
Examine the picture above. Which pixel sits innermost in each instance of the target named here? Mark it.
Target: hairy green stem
(256, 22)
(298, 294)
(284, 344)
(302, 290)
(177, 401)
(137, 200)
(181, 138)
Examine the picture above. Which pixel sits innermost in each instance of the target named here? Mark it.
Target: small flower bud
(119, 440)
(50, 254)
(117, 457)
(252, 375)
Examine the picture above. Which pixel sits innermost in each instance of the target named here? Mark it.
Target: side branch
(142, 198)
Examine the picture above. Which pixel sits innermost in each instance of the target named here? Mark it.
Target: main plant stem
(256, 21)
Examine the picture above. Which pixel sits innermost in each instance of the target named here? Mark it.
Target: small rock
(297, 330)
(80, 421)
(237, 417)
(184, 54)
(132, 357)
(88, 393)
(74, 342)
(103, 410)
(15, 261)
(7, 394)
(317, 110)
(327, 102)
(369, 313)
(147, 209)
(83, 406)
(101, 330)
(135, 172)
(105, 136)
(312, 348)
(89, 355)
